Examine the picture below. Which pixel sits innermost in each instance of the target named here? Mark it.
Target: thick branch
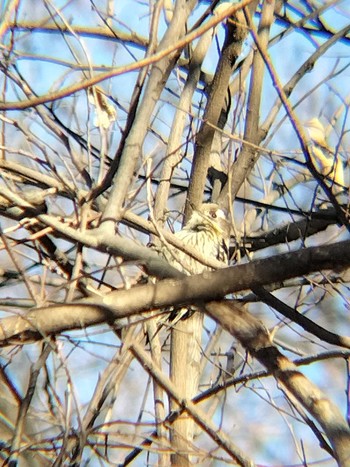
(172, 292)
(235, 34)
(255, 338)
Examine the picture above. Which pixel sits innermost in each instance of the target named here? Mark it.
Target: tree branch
(201, 288)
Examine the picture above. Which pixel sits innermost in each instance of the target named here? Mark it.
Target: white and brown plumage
(206, 232)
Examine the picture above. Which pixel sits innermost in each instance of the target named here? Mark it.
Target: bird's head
(211, 217)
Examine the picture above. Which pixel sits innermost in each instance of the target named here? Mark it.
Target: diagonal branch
(255, 338)
(195, 412)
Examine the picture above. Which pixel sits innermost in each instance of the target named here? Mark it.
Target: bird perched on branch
(325, 160)
(208, 233)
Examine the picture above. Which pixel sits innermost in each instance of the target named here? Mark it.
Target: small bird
(207, 232)
(324, 157)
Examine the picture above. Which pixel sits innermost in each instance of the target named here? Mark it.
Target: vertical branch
(220, 438)
(185, 361)
(186, 337)
(248, 156)
(23, 411)
(304, 143)
(173, 156)
(236, 31)
(107, 387)
(133, 145)
(158, 393)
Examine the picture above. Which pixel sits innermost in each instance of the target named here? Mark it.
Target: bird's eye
(214, 215)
